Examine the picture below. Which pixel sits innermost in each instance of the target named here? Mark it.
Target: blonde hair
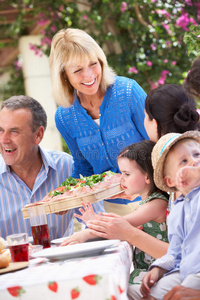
(71, 46)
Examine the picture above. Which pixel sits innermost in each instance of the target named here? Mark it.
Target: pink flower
(132, 70)
(153, 84)
(198, 10)
(164, 72)
(53, 28)
(165, 61)
(153, 47)
(163, 76)
(123, 6)
(198, 110)
(149, 63)
(184, 20)
(18, 65)
(42, 20)
(84, 17)
(173, 62)
(46, 41)
(167, 28)
(168, 44)
(198, 36)
(161, 80)
(188, 2)
(37, 51)
(163, 12)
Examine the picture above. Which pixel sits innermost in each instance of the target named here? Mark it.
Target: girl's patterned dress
(142, 260)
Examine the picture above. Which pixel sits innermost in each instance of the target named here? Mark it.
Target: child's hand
(78, 237)
(150, 279)
(188, 177)
(147, 283)
(72, 239)
(87, 212)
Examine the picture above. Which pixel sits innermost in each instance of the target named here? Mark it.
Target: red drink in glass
(19, 252)
(41, 235)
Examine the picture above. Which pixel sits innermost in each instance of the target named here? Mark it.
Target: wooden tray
(72, 202)
(14, 267)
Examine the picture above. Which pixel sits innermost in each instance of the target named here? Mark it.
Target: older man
(28, 172)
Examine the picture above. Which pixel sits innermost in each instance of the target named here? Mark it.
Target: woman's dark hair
(141, 153)
(172, 108)
(192, 81)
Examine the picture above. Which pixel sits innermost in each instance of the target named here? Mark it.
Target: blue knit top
(95, 148)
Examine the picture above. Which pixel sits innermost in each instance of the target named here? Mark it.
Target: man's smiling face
(17, 140)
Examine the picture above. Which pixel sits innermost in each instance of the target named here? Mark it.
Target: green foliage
(192, 40)
(151, 41)
(64, 146)
(15, 86)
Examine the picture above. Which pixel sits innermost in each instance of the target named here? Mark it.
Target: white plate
(58, 241)
(78, 250)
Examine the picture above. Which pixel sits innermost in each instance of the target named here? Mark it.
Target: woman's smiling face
(85, 77)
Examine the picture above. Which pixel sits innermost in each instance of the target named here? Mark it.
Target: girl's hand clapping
(87, 212)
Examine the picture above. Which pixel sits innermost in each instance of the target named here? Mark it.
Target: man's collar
(3, 167)
(47, 159)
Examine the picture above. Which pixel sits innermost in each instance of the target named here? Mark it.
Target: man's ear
(168, 181)
(39, 135)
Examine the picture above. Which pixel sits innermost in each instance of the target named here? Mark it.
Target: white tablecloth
(103, 277)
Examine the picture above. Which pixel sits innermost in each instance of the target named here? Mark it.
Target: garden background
(151, 41)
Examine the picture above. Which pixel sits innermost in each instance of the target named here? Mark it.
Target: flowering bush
(148, 40)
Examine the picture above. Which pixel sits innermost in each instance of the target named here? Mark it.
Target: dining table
(92, 277)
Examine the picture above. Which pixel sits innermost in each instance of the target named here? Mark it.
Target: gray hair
(39, 117)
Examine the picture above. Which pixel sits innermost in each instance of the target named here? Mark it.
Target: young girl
(137, 178)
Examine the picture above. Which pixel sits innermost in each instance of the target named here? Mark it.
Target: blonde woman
(99, 113)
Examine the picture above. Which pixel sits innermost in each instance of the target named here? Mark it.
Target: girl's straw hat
(160, 152)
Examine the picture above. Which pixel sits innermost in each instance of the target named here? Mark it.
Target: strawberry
(92, 279)
(53, 286)
(75, 293)
(120, 289)
(16, 291)
(112, 298)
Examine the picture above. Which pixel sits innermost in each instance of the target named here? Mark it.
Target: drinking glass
(18, 245)
(39, 226)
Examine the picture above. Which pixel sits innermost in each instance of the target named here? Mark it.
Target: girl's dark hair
(172, 108)
(192, 81)
(141, 153)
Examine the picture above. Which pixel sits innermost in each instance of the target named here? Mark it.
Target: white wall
(37, 84)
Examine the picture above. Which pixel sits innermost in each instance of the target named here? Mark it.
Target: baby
(176, 163)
